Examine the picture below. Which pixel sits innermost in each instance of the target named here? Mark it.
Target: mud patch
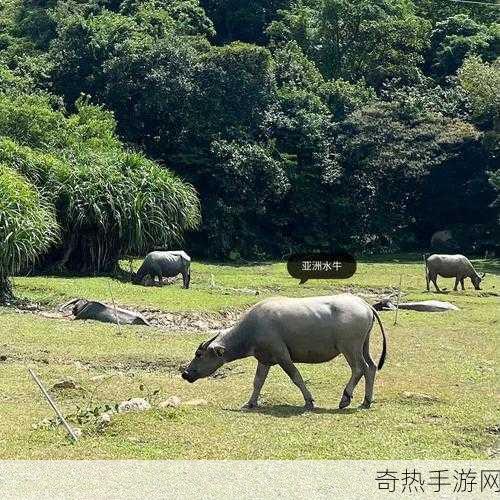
(192, 321)
(203, 321)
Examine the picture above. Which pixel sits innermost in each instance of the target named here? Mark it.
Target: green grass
(436, 397)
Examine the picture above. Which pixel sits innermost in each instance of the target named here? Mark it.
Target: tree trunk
(6, 294)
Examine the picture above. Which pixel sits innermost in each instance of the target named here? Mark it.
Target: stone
(104, 420)
(196, 402)
(134, 404)
(64, 384)
(171, 402)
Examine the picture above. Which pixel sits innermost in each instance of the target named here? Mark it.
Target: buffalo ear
(219, 350)
(204, 345)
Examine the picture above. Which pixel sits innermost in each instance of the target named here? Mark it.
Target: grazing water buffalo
(285, 331)
(166, 265)
(451, 266)
(89, 309)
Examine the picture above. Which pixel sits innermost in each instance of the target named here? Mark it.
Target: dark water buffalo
(89, 309)
(285, 331)
(165, 265)
(451, 266)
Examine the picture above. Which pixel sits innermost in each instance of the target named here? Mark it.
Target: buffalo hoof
(365, 405)
(249, 406)
(345, 401)
(309, 406)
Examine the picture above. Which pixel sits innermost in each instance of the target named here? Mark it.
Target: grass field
(436, 397)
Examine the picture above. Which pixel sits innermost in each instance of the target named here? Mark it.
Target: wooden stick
(399, 298)
(51, 402)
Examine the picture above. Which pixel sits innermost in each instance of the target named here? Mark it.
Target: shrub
(27, 226)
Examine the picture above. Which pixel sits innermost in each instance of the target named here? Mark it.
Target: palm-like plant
(27, 226)
(109, 202)
(114, 203)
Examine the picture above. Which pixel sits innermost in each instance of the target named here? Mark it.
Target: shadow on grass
(286, 411)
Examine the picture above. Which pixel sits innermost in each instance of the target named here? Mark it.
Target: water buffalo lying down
(285, 331)
(423, 306)
(89, 309)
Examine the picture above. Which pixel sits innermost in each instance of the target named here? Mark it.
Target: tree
(481, 82)
(453, 39)
(386, 152)
(27, 227)
(240, 20)
(356, 39)
(241, 194)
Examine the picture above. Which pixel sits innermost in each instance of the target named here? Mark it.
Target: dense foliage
(27, 226)
(302, 124)
(108, 202)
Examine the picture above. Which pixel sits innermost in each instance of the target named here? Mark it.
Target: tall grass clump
(27, 227)
(117, 203)
(109, 202)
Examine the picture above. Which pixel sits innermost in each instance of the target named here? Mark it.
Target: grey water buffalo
(165, 265)
(421, 306)
(285, 331)
(451, 266)
(89, 309)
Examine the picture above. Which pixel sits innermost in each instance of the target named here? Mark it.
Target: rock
(171, 402)
(134, 404)
(77, 432)
(196, 402)
(64, 384)
(104, 420)
(202, 325)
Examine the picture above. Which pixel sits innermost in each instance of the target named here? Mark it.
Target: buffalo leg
(358, 368)
(457, 281)
(186, 278)
(433, 278)
(160, 279)
(462, 284)
(258, 382)
(295, 376)
(369, 374)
